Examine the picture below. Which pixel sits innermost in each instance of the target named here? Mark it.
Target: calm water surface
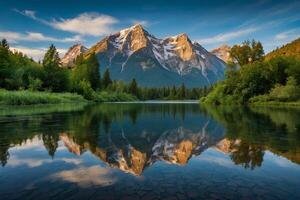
(149, 151)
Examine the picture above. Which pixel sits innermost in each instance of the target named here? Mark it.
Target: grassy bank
(26, 97)
(12, 110)
(277, 104)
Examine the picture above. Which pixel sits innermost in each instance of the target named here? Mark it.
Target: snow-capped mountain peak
(133, 52)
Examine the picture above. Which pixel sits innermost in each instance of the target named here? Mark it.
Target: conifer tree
(133, 87)
(93, 71)
(181, 92)
(4, 62)
(106, 81)
(56, 78)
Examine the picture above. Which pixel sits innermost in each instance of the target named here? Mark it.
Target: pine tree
(56, 78)
(181, 92)
(93, 71)
(173, 93)
(133, 88)
(51, 59)
(106, 81)
(4, 44)
(4, 62)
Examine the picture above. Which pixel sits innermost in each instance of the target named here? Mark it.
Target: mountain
(72, 54)
(135, 53)
(222, 52)
(290, 49)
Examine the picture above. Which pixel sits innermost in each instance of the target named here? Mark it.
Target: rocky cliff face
(72, 54)
(222, 52)
(135, 53)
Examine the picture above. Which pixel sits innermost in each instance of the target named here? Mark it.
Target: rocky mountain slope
(135, 53)
(222, 52)
(72, 54)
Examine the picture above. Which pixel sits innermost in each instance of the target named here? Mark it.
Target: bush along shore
(26, 97)
(258, 80)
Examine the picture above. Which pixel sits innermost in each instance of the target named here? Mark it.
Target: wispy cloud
(288, 35)
(93, 24)
(227, 36)
(141, 22)
(14, 37)
(31, 14)
(36, 53)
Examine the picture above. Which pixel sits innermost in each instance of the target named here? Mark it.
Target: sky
(31, 26)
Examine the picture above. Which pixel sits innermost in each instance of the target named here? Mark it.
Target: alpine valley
(153, 62)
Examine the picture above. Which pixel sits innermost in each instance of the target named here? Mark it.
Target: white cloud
(94, 24)
(141, 22)
(86, 24)
(227, 36)
(36, 53)
(14, 37)
(288, 35)
(86, 176)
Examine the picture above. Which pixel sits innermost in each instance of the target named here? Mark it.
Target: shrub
(34, 84)
(84, 88)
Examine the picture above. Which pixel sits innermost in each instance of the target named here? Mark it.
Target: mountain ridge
(135, 53)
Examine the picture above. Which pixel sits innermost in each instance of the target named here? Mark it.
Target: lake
(149, 151)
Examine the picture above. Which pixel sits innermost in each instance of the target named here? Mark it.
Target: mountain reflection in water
(132, 137)
(149, 151)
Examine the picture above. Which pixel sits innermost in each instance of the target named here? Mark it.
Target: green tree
(133, 87)
(181, 92)
(93, 71)
(106, 81)
(4, 62)
(247, 52)
(57, 78)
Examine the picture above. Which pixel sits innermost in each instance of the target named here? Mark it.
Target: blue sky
(32, 25)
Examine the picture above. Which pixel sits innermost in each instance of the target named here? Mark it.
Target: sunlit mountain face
(139, 147)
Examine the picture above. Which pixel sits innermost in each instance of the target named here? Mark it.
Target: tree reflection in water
(132, 137)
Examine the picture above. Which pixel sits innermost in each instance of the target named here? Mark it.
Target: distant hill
(290, 49)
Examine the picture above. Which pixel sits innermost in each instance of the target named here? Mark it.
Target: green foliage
(106, 81)
(57, 78)
(181, 92)
(86, 90)
(86, 70)
(248, 52)
(105, 96)
(35, 84)
(133, 88)
(26, 97)
(254, 81)
(290, 50)
(281, 93)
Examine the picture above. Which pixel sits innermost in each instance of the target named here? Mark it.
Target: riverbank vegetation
(257, 80)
